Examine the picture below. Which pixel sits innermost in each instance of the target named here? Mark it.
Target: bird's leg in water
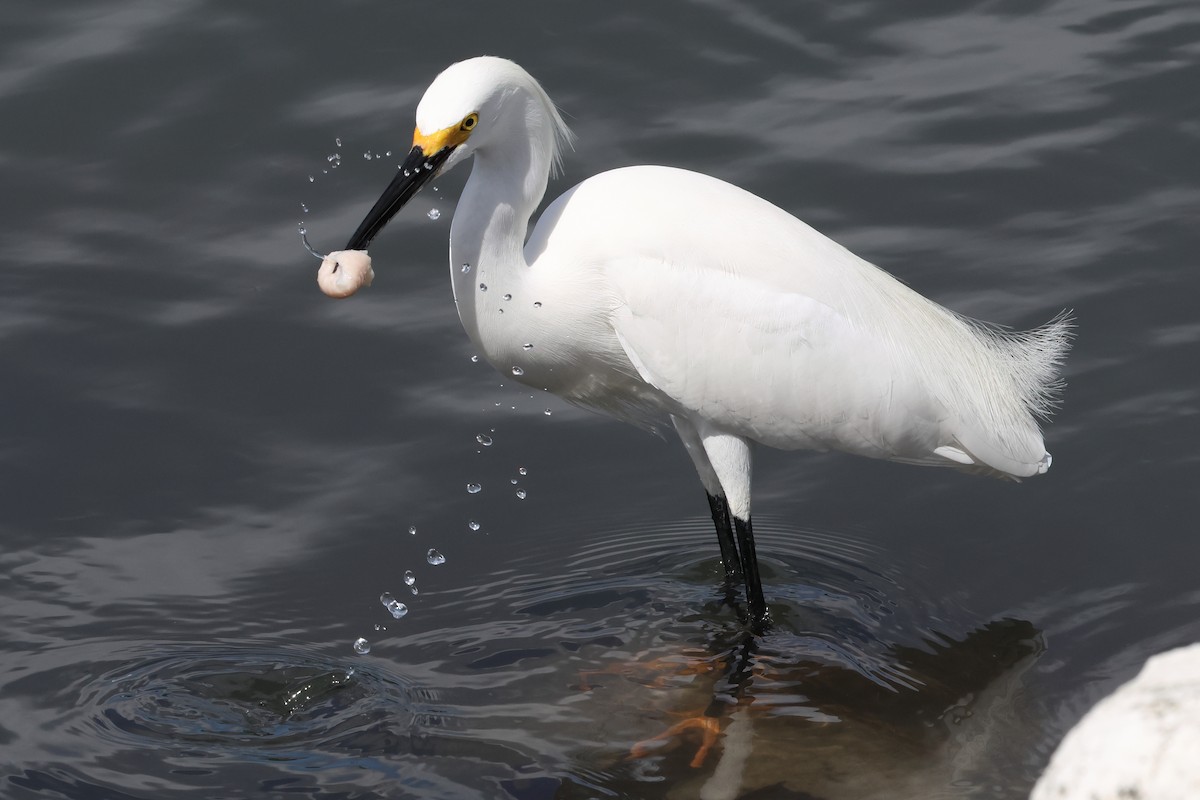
(729, 463)
(709, 728)
(729, 553)
(759, 622)
(729, 691)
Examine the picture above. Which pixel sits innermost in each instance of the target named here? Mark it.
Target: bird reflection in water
(778, 716)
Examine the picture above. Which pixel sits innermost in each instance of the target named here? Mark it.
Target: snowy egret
(658, 295)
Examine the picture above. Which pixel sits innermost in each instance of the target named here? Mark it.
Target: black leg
(729, 553)
(755, 603)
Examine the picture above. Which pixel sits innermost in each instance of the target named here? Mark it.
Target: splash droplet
(466, 268)
(518, 371)
(537, 305)
(409, 578)
(474, 488)
(304, 207)
(311, 179)
(473, 525)
(484, 439)
(412, 529)
(527, 346)
(388, 154)
(508, 297)
(394, 606)
(338, 141)
(483, 287)
(474, 359)
(367, 155)
(362, 646)
(522, 471)
(434, 557)
(433, 213)
(522, 494)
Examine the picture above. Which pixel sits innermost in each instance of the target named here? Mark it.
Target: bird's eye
(469, 122)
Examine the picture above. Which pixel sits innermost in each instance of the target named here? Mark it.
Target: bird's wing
(780, 368)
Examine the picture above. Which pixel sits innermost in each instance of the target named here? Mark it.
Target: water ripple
(234, 702)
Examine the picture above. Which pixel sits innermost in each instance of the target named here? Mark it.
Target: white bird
(653, 294)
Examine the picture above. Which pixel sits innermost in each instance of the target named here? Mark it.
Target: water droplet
(427, 165)
(513, 481)
(379, 627)
(474, 488)
(501, 310)
(466, 268)
(338, 141)
(527, 346)
(434, 557)
(362, 646)
(409, 578)
(407, 173)
(484, 440)
(508, 297)
(305, 207)
(433, 213)
(473, 525)
(483, 287)
(518, 371)
(522, 471)
(367, 155)
(333, 158)
(412, 529)
(537, 304)
(521, 494)
(388, 154)
(394, 606)
(547, 412)
(311, 179)
(475, 359)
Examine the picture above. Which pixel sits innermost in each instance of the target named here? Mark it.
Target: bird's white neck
(488, 233)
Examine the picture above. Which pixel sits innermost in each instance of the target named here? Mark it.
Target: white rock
(344, 272)
(1142, 742)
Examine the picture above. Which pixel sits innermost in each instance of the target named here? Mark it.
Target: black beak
(414, 173)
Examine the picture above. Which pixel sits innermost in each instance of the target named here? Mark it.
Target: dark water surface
(208, 471)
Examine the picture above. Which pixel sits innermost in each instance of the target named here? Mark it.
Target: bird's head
(468, 106)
